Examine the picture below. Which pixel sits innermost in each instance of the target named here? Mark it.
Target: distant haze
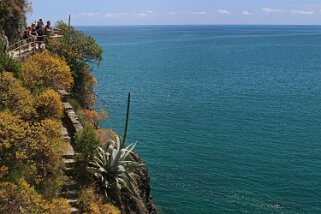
(178, 12)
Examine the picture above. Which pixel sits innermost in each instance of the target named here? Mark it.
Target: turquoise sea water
(228, 118)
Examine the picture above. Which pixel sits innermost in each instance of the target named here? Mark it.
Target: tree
(75, 46)
(46, 70)
(79, 51)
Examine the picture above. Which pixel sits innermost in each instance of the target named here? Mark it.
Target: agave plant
(114, 171)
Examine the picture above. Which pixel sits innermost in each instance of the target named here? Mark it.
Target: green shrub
(86, 142)
(9, 64)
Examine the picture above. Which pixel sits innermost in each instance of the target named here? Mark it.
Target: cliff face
(12, 18)
(144, 204)
(15, 31)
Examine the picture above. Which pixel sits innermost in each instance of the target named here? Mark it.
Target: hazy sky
(145, 12)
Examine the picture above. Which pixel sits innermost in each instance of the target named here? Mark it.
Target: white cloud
(200, 13)
(246, 13)
(272, 10)
(145, 13)
(172, 13)
(89, 14)
(302, 12)
(225, 12)
(115, 14)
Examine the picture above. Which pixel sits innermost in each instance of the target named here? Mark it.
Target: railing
(28, 46)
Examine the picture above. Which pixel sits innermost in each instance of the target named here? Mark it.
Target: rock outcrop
(145, 204)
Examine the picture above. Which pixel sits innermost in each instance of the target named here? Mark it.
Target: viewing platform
(26, 47)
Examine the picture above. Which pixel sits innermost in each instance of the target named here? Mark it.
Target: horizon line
(125, 25)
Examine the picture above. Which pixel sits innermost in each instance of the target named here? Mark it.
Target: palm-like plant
(114, 171)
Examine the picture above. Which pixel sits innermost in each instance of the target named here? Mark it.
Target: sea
(227, 118)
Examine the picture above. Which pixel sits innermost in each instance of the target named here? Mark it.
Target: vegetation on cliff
(31, 141)
(79, 51)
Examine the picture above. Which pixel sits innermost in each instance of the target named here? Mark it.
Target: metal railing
(28, 46)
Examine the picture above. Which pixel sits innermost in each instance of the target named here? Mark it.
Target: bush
(49, 105)
(91, 118)
(46, 149)
(46, 70)
(32, 151)
(90, 202)
(15, 97)
(9, 64)
(13, 132)
(86, 142)
(22, 198)
(106, 135)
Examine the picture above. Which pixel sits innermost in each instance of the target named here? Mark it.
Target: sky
(178, 12)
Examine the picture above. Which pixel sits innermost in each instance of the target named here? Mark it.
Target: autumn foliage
(46, 70)
(91, 118)
(14, 96)
(48, 104)
(93, 203)
(29, 150)
(20, 101)
(22, 198)
(106, 135)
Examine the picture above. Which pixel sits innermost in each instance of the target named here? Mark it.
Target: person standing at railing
(27, 33)
(34, 34)
(33, 29)
(5, 41)
(39, 29)
(48, 29)
(28, 36)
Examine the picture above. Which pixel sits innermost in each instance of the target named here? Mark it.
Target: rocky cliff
(12, 17)
(144, 204)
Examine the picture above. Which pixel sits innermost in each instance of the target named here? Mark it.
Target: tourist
(33, 29)
(48, 28)
(27, 33)
(41, 22)
(5, 41)
(39, 28)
